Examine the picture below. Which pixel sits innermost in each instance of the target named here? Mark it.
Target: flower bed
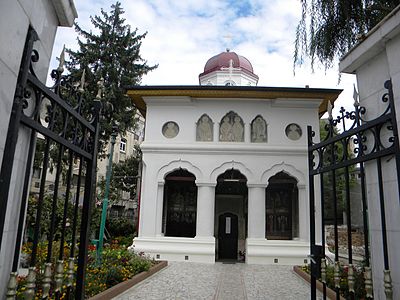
(118, 265)
(359, 285)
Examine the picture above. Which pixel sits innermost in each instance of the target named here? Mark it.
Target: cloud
(183, 35)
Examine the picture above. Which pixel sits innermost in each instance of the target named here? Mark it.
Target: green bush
(120, 227)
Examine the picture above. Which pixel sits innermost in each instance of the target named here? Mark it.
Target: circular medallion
(293, 131)
(170, 130)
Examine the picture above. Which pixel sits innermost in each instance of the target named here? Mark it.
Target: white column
(216, 132)
(159, 208)
(304, 214)
(205, 210)
(256, 211)
(247, 133)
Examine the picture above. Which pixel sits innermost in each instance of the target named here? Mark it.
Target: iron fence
(69, 135)
(332, 161)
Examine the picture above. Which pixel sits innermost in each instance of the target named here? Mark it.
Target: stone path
(220, 281)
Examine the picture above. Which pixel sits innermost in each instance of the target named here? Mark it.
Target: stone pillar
(205, 210)
(304, 214)
(159, 208)
(216, 132)
(247, 133)
(256, 211)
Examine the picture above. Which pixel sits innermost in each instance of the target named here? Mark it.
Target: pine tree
(329, 28)
(111, 52)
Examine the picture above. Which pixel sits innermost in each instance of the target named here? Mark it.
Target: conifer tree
(110, 52)
(329, 28)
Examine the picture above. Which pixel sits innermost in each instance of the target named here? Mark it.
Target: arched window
(231, 128)
(204, 129)
(282, 216)
(258, 130)
(180, 204)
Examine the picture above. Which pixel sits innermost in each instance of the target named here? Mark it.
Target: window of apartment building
(122, 145)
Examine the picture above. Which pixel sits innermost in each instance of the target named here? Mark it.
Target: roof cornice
(137, 93)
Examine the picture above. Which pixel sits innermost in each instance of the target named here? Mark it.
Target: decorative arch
(231, 165)
(204, 129)
(231, 128)
(286, 168)
(259, 130)
(178, 164)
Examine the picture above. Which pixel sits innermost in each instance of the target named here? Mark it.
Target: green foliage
(329, 28)
(120, 227)
(123, 177)
(111, 52)
(125, 240)
(338, 152)
(47, 206)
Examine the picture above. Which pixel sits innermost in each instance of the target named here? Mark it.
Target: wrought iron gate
(56, 116)
(333, 161)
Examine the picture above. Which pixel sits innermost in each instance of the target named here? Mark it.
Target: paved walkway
(180, 280)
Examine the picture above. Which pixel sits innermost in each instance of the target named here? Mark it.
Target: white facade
(15, 18)
(375, 60)
(207, 160)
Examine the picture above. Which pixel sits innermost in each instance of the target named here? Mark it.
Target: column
(304, 214)
(247, 133)
(205, 210)
(159, 208)
(256, 211)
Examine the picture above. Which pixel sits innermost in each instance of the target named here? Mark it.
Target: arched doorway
(230, 215)
(180, 204)
(282, 216)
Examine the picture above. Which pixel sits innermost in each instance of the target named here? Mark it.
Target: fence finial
(355, 96)
(61, 61)
(100, 84)
(81, 87)
(329, 106)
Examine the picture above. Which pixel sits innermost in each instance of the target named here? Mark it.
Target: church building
(225, 167)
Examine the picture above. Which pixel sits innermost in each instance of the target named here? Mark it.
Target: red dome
(223, 59)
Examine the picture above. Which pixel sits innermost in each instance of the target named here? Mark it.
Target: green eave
(137, 93)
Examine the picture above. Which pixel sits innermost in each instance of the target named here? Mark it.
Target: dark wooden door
(228, 236)
(279, 212)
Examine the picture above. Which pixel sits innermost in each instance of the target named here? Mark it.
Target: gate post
(312, 214)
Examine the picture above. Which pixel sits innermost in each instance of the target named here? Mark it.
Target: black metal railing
(358, 143)
(69, 134)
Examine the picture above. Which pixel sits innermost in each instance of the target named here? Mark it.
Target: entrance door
(228, 236)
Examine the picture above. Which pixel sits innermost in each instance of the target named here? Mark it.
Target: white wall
(15, 18)
(374, 61)
(207, 160)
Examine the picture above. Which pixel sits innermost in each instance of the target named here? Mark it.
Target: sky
(183, 34)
